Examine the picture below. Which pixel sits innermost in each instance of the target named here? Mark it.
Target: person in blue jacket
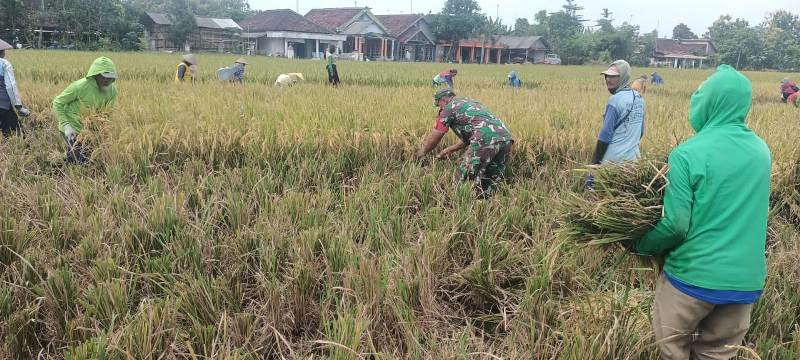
(514, 80)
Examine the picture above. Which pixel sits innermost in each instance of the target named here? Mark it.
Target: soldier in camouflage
(486, 138)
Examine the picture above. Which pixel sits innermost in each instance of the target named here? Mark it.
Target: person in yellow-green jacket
(187, 69)
(713, 231)
(94, 93)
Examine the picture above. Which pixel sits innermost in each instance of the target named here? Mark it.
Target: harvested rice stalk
(624, 204)
(95, 132)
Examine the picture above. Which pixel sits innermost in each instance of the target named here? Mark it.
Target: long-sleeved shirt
(238, 76)
(444, 77)
(789, 87)
(9, 94)
(85, 94)
(716, 205)
(330, 60)
(623, 126)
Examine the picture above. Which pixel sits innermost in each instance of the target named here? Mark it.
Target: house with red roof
(682, 53)
(414, 37)
(366, 36)
(286, 33)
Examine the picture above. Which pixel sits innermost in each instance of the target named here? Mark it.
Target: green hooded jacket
(717, 202)
(85, 95)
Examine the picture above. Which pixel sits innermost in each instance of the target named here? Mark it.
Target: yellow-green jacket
(84, 95)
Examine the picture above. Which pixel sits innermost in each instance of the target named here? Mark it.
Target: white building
(286, 33)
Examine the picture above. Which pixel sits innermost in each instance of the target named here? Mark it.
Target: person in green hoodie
(714, 227)
(94, 93)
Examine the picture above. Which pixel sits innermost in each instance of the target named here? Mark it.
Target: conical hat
(5, 46)
(190, 58)
(242, 61)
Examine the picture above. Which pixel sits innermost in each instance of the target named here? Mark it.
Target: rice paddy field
(252, 222)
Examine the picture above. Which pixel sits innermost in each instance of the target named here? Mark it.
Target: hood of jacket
(723, 99)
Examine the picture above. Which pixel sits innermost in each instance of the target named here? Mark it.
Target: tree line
(772, 44)
(104, 24)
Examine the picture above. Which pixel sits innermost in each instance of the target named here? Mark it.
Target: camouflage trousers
(485, 165)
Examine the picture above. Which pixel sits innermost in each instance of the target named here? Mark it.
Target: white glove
(70, 133)
(23, 111)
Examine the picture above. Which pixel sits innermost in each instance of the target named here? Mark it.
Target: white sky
(648, 14)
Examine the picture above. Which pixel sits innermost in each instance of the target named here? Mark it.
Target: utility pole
(498, 10)
(297, 4)
(738, 57)
(42, 17)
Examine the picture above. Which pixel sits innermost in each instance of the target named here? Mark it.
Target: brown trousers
(689, 328)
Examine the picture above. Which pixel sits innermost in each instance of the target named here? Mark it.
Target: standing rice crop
(252, 222)
(785, 198)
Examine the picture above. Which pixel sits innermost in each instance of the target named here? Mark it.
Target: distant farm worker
(788, 87)
(640, 84)
(513, 80)
(187, 69)
(330, 66)
(238, 74)
(445, 77)
(656, 79)
(288, 79)
(623, 121)
(714, 228)
(10, 102)
(94, 93)
(486, 138)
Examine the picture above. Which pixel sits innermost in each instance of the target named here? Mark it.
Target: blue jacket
(623, 126)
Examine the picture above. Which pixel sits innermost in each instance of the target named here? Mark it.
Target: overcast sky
(662, 15)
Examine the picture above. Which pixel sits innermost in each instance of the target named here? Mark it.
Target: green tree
(781, 36)
(235, 9)
(561, 27)
(183, 23)
(521, 27)
(459, 19)
(13, 19)
(682, 31)
(539, 27)
(736, 42)
(643, 49)
(573, 9)
(564, 31)
(606, 23)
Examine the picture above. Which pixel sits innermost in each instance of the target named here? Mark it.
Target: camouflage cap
(442, 93)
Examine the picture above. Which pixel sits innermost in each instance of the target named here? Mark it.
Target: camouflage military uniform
(488, 137)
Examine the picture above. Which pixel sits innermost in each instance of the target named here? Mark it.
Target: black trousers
(333, 75)
(76, 153)
(9, 122)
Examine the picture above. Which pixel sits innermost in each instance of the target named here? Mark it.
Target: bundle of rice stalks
(95, 131)
(623, 205)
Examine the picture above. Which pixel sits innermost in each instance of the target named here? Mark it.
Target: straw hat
(5, 46)
(190, 58)
(242, 61)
